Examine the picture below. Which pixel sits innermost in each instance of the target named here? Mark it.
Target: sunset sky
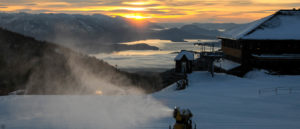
(216, 11)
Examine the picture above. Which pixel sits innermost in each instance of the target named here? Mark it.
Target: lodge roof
(283, 25)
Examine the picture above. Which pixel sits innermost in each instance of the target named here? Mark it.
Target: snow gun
(183, 119)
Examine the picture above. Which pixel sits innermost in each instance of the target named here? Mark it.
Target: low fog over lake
(150, 60)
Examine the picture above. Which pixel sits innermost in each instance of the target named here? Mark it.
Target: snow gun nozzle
(183, 118)
(182, 112)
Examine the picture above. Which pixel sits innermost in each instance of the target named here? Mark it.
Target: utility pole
(212, 69)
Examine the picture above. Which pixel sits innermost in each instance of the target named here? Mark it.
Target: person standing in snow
(186, 79)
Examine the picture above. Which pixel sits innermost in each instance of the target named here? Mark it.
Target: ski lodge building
(271, 43)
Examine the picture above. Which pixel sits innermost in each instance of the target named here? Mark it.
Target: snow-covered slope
(79, 112)
(229, 102)
(222, 102)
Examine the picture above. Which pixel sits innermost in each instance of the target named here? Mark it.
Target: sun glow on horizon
(136, 16)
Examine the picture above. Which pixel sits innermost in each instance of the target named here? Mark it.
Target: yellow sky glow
(134, 9)
(239, 11)
(140, 2)
(136, 16)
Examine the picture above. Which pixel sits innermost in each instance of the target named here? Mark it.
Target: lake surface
(150, 60)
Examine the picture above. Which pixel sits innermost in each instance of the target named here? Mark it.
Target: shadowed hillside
(40, 67)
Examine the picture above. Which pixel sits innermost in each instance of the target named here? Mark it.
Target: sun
(136, 16)
(98, 92)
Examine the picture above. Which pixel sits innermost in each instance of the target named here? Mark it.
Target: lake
(150, 60)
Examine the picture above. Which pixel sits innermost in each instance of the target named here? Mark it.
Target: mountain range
(98, 33)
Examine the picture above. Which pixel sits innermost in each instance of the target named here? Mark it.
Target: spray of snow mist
(80, 112)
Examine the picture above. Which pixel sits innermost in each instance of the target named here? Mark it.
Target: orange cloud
(160, 11)
(140, 2)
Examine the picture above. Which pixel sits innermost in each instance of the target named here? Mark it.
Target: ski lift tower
(207, 55)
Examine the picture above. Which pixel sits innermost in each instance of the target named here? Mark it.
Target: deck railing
(279, 90)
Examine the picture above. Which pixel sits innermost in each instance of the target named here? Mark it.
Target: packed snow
(229, 102)
(222, 102)
(79, 112)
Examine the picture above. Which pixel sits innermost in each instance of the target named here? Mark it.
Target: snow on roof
(283, 25)
(226, 64)
(188, 55)
(239, 32)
